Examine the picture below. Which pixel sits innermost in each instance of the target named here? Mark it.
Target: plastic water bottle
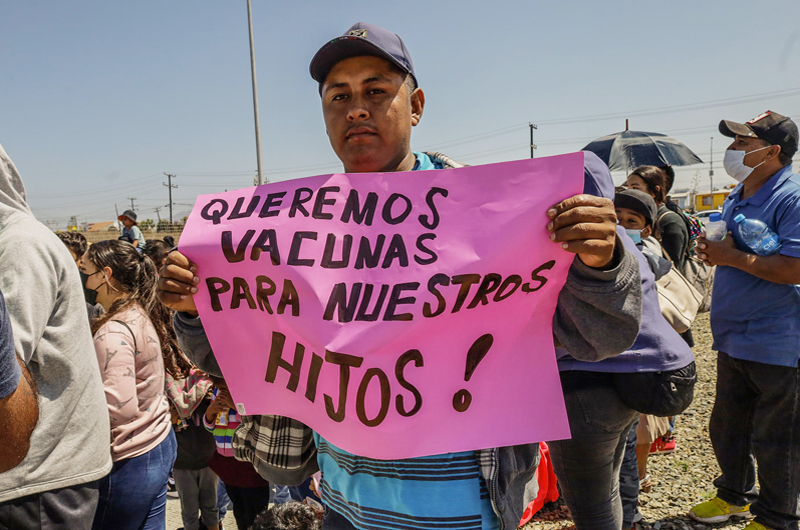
(757, 235)
(715, 227)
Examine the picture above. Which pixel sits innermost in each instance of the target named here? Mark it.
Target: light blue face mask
(636, 235)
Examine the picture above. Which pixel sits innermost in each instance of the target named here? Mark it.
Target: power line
(125, 185)
(678, 108)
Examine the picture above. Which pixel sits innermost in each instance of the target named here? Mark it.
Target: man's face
(369, 114)
(632, 220)
(750, 144)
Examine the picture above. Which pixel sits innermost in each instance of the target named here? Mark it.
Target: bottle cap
(715, 217)
(739, 218)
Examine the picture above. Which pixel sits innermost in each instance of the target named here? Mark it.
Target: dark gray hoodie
(44, 297)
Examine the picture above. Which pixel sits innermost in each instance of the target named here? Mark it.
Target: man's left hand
(718, 252)
(587, 226)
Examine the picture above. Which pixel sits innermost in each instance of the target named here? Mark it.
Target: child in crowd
(636, 212)
(249, 493)
(77, 245)
(157, 250)
(130, 231)
(292, 515)
(196, 483)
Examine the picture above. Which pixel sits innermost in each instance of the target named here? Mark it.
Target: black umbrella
(631, 149)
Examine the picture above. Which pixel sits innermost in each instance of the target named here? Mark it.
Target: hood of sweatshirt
(13, 202)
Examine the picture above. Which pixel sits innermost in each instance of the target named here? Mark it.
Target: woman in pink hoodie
(128, 340)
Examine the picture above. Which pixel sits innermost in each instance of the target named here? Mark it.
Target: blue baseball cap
(361, 39)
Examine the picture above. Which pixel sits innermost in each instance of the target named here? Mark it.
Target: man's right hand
(178, 283)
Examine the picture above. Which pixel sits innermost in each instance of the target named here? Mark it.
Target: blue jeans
(756, 417)
(282, 494)
(223, 501)
(134, 495)
(587, 466)
(299, 493)
(629, 481)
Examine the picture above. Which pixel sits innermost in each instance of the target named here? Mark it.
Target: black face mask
(89, 294)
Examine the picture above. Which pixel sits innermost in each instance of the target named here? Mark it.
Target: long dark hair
(157, 251)
(656, 181)
(135, 276)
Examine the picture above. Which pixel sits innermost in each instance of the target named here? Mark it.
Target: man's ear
(417, 105)
(647, 231)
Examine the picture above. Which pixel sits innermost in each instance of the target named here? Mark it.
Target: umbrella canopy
(631, 149)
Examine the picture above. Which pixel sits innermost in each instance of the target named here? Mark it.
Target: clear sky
(99, 99)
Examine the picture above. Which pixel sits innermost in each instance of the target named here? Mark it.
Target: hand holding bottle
(715, 228)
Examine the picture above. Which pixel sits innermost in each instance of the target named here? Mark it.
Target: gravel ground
(683, 478)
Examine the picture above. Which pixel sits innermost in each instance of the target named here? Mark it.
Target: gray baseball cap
(361, 39)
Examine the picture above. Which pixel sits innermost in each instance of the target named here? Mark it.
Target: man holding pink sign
(427, 284)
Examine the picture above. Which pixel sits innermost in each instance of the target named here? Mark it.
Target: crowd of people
(110, 389)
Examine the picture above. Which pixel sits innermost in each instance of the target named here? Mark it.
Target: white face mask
(734, 163)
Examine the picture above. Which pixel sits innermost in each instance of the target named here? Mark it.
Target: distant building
(683, 198)
(710, 201)
(105, 226)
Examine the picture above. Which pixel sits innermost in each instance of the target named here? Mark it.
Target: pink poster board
(396, 314)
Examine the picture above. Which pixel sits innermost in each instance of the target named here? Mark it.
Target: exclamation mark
(463, 399)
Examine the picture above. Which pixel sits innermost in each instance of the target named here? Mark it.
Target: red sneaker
(664, 445)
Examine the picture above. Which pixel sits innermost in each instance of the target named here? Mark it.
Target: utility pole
(170, 186)
(255, 95)
(711, 170)
(133, 207)
(158, 213)
(533, 145)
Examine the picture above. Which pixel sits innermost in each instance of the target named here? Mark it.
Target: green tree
(148, 225)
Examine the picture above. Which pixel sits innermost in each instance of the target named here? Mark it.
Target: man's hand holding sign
(585, 225)
(419, 321)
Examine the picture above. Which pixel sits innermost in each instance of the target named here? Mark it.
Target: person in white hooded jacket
(56, 485)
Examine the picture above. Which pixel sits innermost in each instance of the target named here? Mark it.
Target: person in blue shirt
(130, 230)
(755, 319)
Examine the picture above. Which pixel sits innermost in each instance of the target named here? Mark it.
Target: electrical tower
(533, 145)
(170, 186)
(133, 206)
